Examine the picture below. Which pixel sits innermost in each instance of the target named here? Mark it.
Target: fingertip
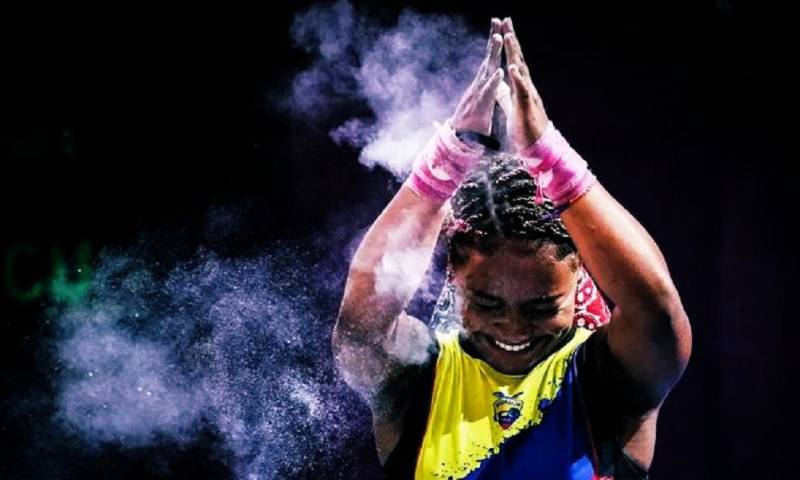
(497, 26)
(498, 75)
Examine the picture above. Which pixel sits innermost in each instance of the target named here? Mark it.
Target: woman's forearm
(390, 263)
(622, 257)
(649, 332)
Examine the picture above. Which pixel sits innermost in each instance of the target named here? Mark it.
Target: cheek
(563, 320)
(470, 323)
(471, 320)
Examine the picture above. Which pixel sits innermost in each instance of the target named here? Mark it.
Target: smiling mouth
(509, 347)
(516, 348)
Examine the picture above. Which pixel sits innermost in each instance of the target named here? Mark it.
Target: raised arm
(384, 273)
(649, 333)
(373, 336)
(377, 346)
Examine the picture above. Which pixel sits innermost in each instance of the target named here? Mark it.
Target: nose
(516, 328)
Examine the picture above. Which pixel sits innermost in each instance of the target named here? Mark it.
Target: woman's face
(515, 304)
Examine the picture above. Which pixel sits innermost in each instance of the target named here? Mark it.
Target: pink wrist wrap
(442, 165)
(561, 174)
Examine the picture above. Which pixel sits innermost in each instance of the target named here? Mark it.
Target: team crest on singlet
(507, 409)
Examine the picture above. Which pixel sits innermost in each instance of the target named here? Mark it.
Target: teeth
(512, 348)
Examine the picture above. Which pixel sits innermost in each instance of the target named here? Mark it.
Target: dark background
(118, 122)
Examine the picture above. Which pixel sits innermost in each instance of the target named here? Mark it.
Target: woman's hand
(527, 119)
(475, 109)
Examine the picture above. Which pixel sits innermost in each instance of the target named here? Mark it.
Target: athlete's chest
(483, 424)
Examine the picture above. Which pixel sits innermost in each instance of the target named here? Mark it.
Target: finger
(497, 25)
(496, 28)
(489, 91)
(525, 78)
(493, 49)
(512, 49)
(506, 25)
(481, 75)
(520, 90)
(493, 62)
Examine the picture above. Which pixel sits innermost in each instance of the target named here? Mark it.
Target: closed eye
(486, 306)
(541, 313)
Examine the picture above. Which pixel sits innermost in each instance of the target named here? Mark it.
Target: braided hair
(496, 203)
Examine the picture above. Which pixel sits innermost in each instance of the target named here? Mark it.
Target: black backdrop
(120, 122)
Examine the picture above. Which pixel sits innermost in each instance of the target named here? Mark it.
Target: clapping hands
(526, 119)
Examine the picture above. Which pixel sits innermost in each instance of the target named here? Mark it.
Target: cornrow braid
(496, 202)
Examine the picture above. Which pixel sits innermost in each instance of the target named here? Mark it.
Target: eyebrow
(489, 296)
